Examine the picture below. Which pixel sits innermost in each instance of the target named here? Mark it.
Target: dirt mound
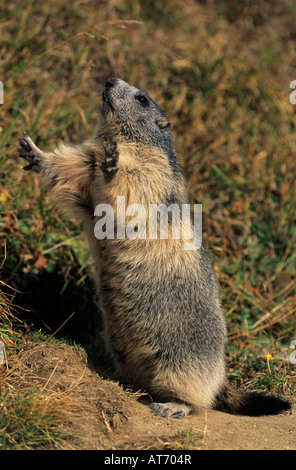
(103, 416)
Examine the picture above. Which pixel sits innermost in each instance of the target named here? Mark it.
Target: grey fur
(163, 320)
(137, 122)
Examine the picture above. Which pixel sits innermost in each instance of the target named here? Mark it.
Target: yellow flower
(269, 357)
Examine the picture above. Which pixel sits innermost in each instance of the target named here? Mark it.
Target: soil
(103, 416)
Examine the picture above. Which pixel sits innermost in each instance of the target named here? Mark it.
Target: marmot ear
(162, 123)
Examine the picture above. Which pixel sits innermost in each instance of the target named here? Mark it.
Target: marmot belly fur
(163, 321)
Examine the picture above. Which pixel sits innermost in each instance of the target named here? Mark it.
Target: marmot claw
(29, 153)
(109, 166)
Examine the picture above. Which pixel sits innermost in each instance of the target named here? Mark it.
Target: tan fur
(164, 326)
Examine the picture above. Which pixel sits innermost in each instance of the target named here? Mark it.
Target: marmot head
(130, 115)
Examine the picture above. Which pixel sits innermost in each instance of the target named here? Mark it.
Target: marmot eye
(142, 99)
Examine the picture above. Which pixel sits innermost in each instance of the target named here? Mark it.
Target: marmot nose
(111, 82)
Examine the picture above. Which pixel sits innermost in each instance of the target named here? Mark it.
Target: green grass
(187, 440)
(29, 421)
(222, 72)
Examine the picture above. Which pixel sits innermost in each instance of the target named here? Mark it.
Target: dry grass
(30, 417)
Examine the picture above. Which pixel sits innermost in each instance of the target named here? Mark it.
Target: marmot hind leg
(173, 408)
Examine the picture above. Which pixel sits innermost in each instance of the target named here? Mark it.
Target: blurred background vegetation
(221, 70)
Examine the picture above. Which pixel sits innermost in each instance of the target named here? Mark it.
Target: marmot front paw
(31, 153)
(109, 166)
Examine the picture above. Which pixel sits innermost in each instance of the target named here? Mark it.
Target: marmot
(164, 325)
